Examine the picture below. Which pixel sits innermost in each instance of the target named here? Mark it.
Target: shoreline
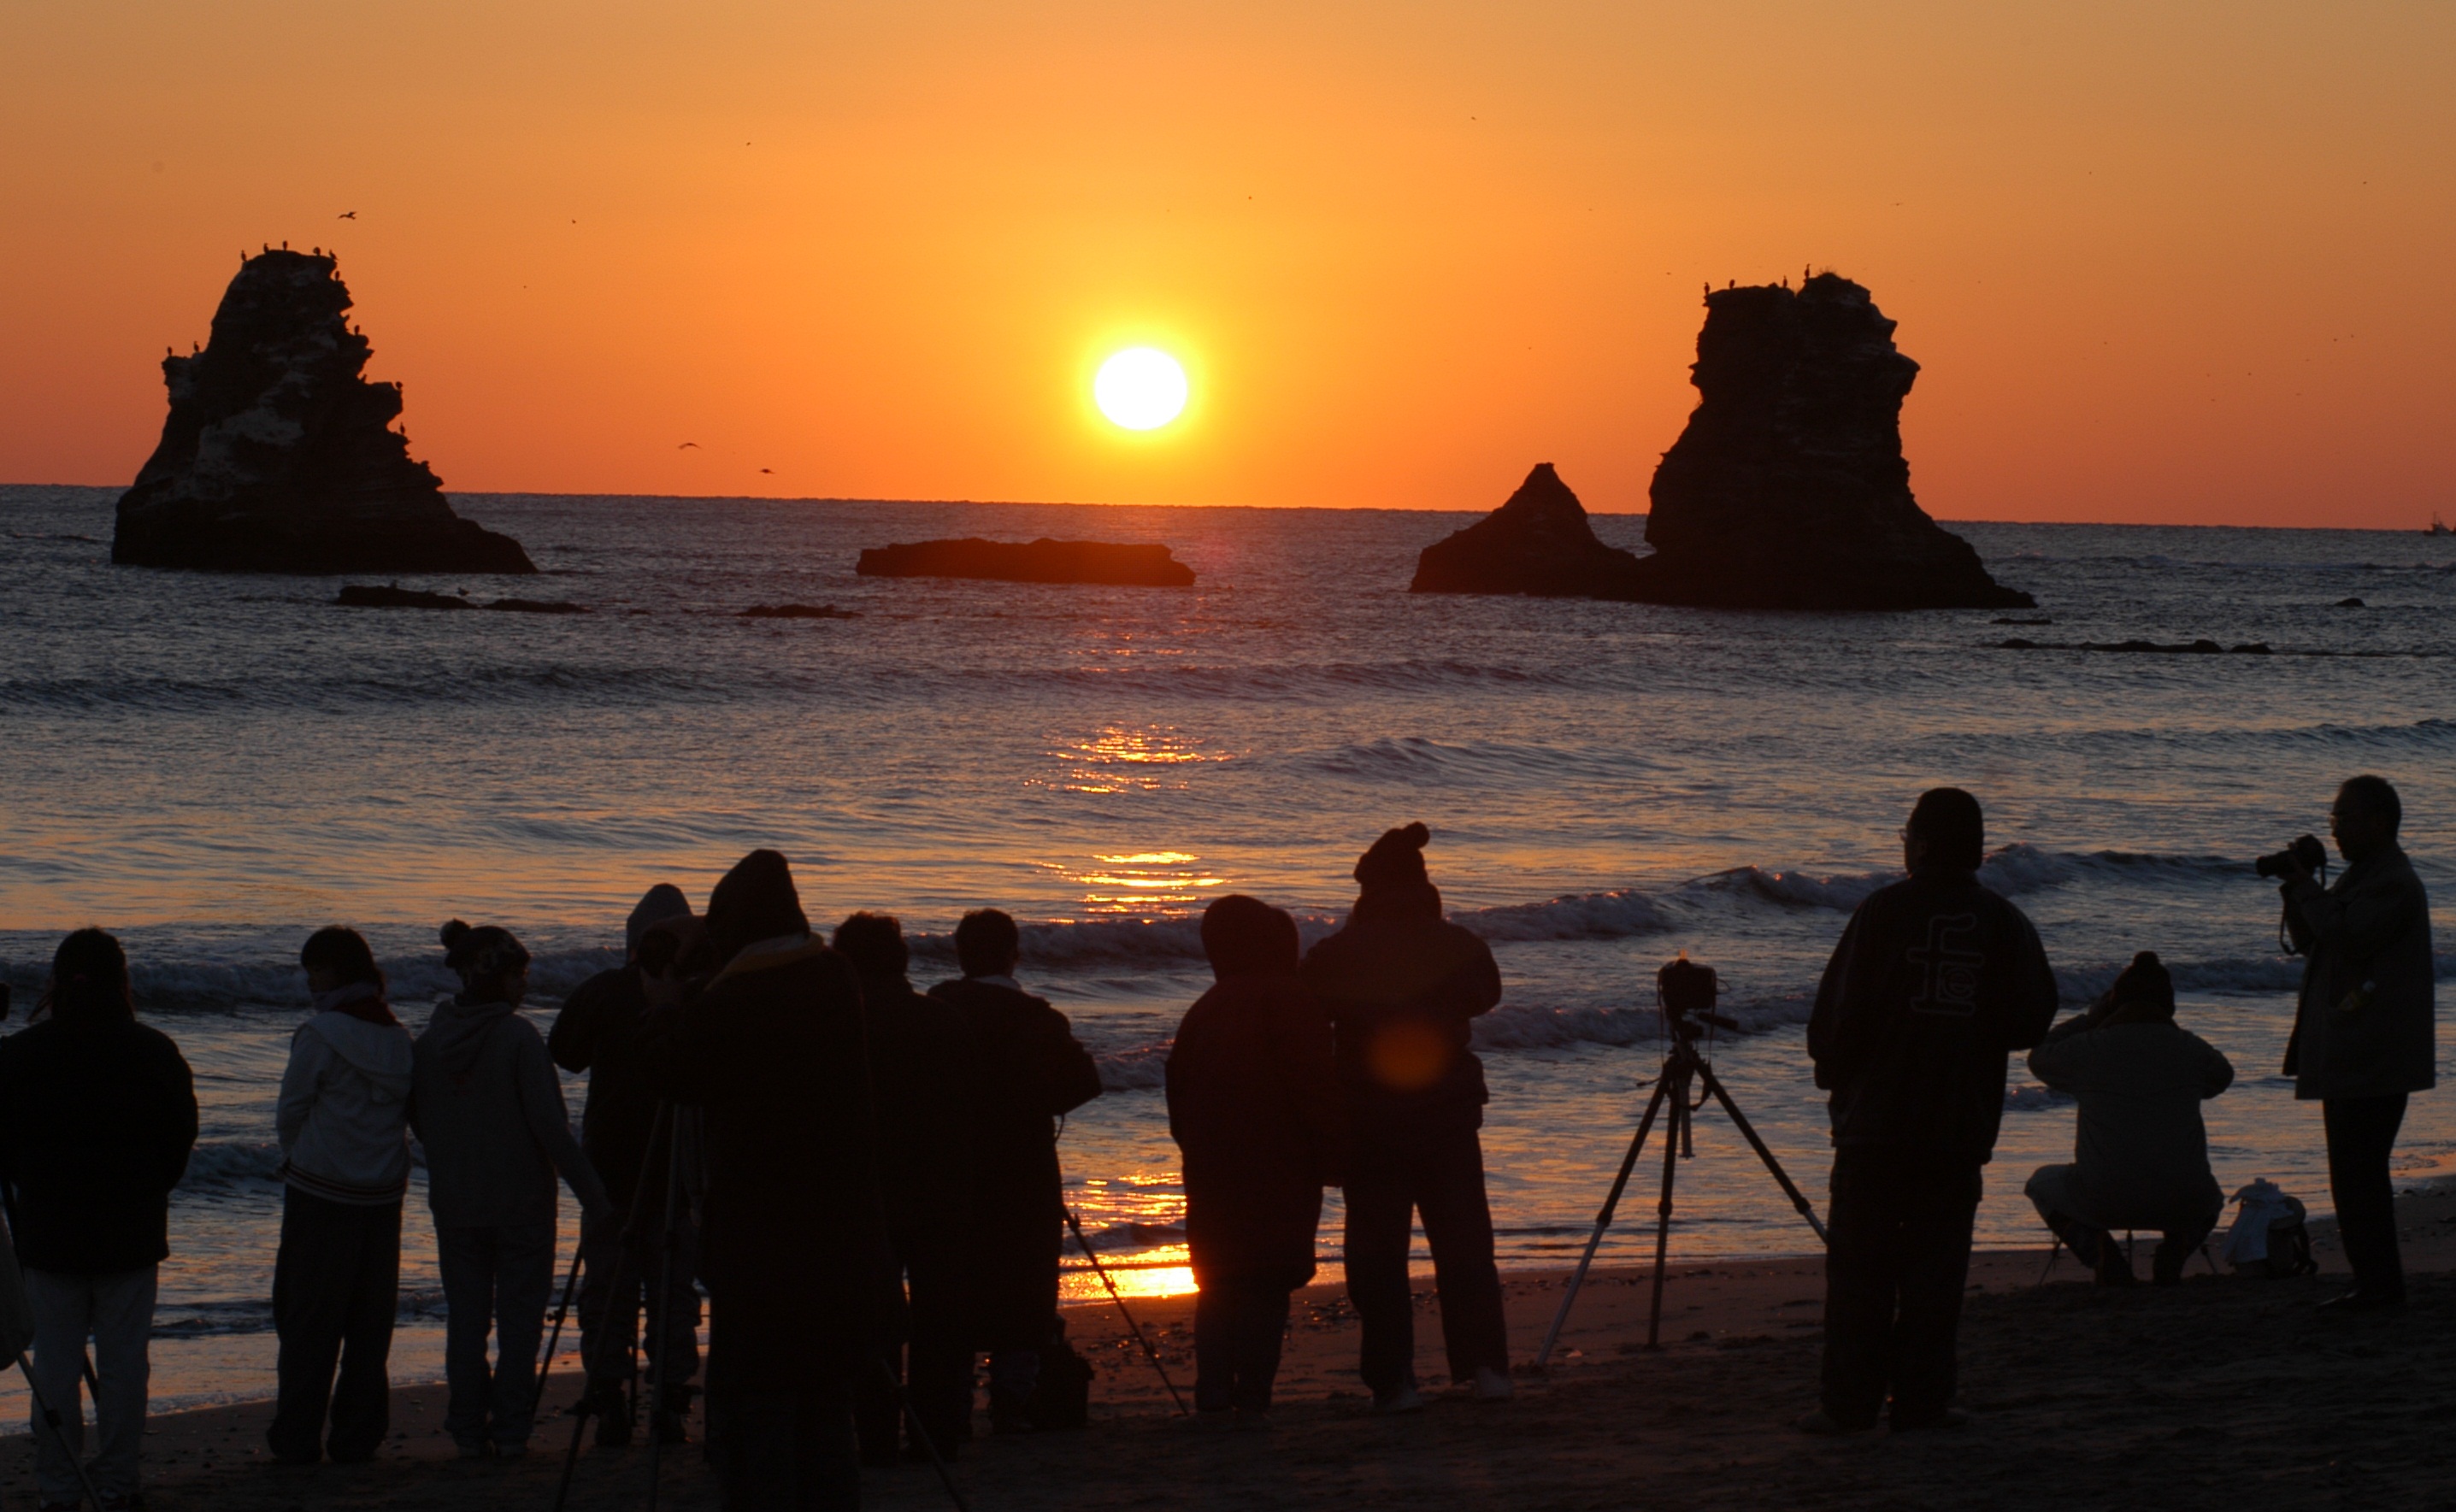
(1738, 1363)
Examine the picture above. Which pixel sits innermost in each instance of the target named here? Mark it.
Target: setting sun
(1140, 388)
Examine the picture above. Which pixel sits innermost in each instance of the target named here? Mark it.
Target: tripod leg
(1676, 1089)
(661, 1362)
(660, 1131)
(1137, 1329)
(1748, 1131)
(1603, 1221)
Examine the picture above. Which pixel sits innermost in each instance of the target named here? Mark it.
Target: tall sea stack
(1787, 490)
(278, 456)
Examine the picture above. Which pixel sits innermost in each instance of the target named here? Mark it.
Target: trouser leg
(311, 1310)
(1259, 1326)
(2362, 1137)
(523, 1283)
(940, 1378)
(1859, 1291)
(466, 1259)
(876, 1420)
(1457, 1228)
(1380, 1202)
(123, 1325)
(1215, 1350)
(362, 1397)
(785, 1453)
(1934, 1267)
(63, 1309)
(672, 1328)
(2051, 1190)
(605, 1307)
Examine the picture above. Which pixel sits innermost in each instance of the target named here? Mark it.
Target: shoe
(1249, 1419)
(476, 1449)
(2114, 1266)
(2359, 1300)
(1492, 1385)
(1215, 1420)
(1824, 1424)
(512, 1451)
(1402, 1399)
(1947, 1420)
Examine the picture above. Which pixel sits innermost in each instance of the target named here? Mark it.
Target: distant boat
(2439, 527)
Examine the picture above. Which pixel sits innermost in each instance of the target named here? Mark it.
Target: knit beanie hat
(482, 954)
(2146, 984)
(662, 902)
(756, 901)
(1396, 860)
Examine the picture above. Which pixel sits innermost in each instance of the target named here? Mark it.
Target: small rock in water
(393, 596)
(2351, 604)
(539, 607)
(1538, 542)
(1042, 561)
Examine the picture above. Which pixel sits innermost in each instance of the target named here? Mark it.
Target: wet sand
(2226, 1391)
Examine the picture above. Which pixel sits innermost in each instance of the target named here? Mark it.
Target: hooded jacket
(343, 1115)
(1935, 982)
(2141, 1148)
(2364, 1024)
(97, 1116)
(489, 1113)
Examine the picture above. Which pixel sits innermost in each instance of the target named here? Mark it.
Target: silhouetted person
(97, 1115)
(923, 1078)
(490, 1113)
(1033, 1074)
(2141, 1154)
(344, 1124)
(1936, 981)
(791, 1246)
(1253, 1102)
(2363, 1027)
(1400, 984)
(599, 1030)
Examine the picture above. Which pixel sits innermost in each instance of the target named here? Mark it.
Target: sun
(1141, 388)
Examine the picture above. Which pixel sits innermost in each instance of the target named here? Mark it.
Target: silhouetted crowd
(863, 1178)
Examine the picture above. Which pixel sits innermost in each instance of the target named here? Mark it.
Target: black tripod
(1683, 1066)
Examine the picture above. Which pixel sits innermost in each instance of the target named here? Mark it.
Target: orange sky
(2189, 265)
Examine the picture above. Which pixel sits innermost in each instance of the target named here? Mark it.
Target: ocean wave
(1421, 760)
(2032, 1097)
(231, 1162)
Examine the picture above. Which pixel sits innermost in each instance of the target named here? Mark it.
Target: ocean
(212, 765)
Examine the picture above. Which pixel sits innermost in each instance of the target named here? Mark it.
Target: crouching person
(97, 1115)
(344, 1123)
(486, 1106)
(792, 1244)
(1251, 1101)
(2141, 1155)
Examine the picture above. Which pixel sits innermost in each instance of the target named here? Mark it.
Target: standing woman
(97, 1115)
(344, 1123)
(1253, 1102)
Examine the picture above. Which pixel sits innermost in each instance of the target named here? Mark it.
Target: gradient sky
(2172, 262)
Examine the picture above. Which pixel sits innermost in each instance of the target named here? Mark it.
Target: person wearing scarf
(344, 1124)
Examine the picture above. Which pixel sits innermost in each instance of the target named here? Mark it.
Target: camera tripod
(1683, 1066)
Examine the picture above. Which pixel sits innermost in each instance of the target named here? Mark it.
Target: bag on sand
(2269, 1236)
(16, 1313)
(1062, 1397)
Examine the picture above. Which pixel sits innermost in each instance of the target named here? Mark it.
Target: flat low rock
(1538, 542)
(1042, 561)
(392, 596)
(797, 611)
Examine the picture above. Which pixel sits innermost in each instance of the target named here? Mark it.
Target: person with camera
(343, 1124)
(2142, 1152)
(1403, 986)
(600, 1032)
(772, 1054)
(2363, 1027)
(1033, 1074)
(923, 1078)
(97, 1118)
(1253, 1102)
(1935, 982)
(489, 1111)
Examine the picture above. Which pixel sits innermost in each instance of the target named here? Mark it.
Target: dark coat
(2364, 1021)
(1935, 982)
(1033, 1074)
(97, 1115)
(791, 1246)
(1403, 990)
(1253, 1102)
(925, 1076)
(600, 1032)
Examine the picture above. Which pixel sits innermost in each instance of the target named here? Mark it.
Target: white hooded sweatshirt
(343, 1119)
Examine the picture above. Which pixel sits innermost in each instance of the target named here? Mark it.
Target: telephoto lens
(2304, 854)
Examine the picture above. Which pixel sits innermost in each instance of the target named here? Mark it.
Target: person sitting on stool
(2141, 1155)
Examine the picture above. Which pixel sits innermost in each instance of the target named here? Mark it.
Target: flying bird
(687, 446)
(763, 469)
(347, 215)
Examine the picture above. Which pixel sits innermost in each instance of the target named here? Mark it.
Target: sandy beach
(2225, 1391)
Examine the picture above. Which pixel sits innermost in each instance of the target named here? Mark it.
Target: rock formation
(278, 456)
(1539, 543)
(1042, 561)
(1789, 490)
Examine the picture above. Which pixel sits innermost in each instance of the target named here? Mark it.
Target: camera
(1687, 991)
(2304, 854)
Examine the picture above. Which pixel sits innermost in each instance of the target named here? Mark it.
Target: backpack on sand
(2270, 1237)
